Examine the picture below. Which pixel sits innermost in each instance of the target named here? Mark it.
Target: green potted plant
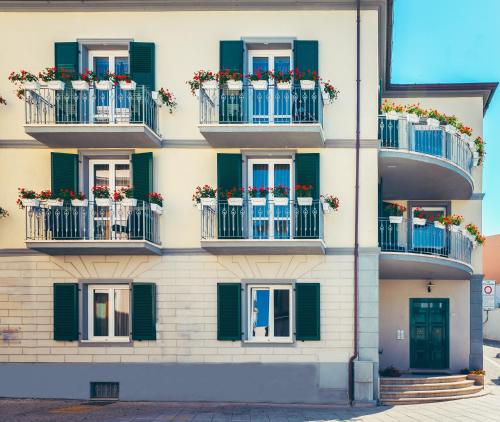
(477, 375)
(26, 79)
(391, 111)
(83, 84)
(27, 198)
(306, 79)
(478, 151)
(126, 84)
(50, 76)
(128, 197)
(419, 217)
(164, 96)
(330, 203)
(258, 196)
(281, 195)
(50, 198)
(106, 82)
(101, 195)
(413, 113)
(234, 197)
(156, 202)
(329, 93)
(433, 118)
(303, 194)
(78, 199)
(283, 80)
(205, 196)
(259, 79)
(232, 79)
(395, 212)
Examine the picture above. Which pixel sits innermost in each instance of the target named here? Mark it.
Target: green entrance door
(429, 334)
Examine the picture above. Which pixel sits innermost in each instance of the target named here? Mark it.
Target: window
(269, 313)
(109, 313)
(428, 238)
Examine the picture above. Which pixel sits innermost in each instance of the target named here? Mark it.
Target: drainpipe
(356, 206)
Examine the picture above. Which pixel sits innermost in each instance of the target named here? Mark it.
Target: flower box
(129, 202)
(79, 202)
(327, 209)
(208, 202)
(156, 98)
(432, 122)
(128, 86)
(396, 219)
(30, 202)
(103, 202)
(326, 98)
(281, 201)
(80, 85)
(419, 221)
(31, 86)
(439, 225)
(156, 209)
(55, 202)
(233, 85)
(260, 85)
(209, 85)
(454, 228)
(412, 118)
(392, 115)
(235, 202)
(304, 201)
(474, 244)
(450, 129)
(56, 85)
(258, 202)
(307, 84)
(284, 86)
(104, 85)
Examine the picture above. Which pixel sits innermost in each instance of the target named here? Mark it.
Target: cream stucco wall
(394, 315)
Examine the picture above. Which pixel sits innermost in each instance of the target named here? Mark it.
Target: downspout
(356, 204)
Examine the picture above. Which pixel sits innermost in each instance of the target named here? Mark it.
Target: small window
(109, 313)
(269, 313)
(104, 390)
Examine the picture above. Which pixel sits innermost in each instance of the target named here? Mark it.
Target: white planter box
(412, 118)
(235, 202)
(209, 85)
(396, 219)
(104, 85)
(79, 202)
(439, 225)
(327, 209)
(31, 86)
(56, 85)
(156, 209)
(157, 99)
(80, 85)
(128, 86)
(307, 85)
(284, 86)
(326, 98)
(450, 129)
(475, 162)
(30, 202)
(454, 228)
(55, 202)
(259, 85)
(208, 202)
(129, 202)
(258, 201)
(103, 202)
(419, 221)
(392, 115)
(432, 122)
(281, 201)
(304, 202)
(234, 85)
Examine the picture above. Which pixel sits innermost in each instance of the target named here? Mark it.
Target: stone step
(429, 386)
(421, 400)
(422, 380)
(390, 395)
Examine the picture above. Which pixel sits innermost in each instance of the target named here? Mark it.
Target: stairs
(427, 389)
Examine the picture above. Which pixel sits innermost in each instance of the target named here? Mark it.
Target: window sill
(108, 343)
(270, 342)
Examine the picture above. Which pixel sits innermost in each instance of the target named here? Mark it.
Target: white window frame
(271, 338)
(109, 289)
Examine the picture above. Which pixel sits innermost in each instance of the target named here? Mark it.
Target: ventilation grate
(105, 390)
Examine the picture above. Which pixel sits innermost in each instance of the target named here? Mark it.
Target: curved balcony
(417, 161)
(411, 251)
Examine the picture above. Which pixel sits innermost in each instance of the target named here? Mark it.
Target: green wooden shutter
(231, 55)
(305, 56)
(307, 172)
(64, 171)
(142, 63)
(144, 311)
(142, 175)
(68, 107)
(229, 175)
(229, 311)
(231, 104)
(307, 311)
(65, 311)
(67, 58)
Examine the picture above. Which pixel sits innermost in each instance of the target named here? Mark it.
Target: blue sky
(455, 41)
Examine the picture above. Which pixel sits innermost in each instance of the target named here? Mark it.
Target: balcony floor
(264, 247)
(94, 247)
(263, 135)
(94, 135)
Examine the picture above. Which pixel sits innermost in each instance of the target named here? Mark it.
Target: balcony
(269, 229)
(272, 118)
(93, 118)
(417, 161)
(424, 252)
(93, 229)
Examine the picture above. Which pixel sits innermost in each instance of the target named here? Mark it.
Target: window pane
(122, 172)
(101, 174)
(281, 313)
(260, 313)
(101, 314)
(122, 312)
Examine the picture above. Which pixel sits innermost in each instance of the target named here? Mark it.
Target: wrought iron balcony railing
(406, 237)
(418, 137)
(269, 221)
(93, 222)
(270, 106)
(69, 106)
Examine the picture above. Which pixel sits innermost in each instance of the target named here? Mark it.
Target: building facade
(282, 302)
